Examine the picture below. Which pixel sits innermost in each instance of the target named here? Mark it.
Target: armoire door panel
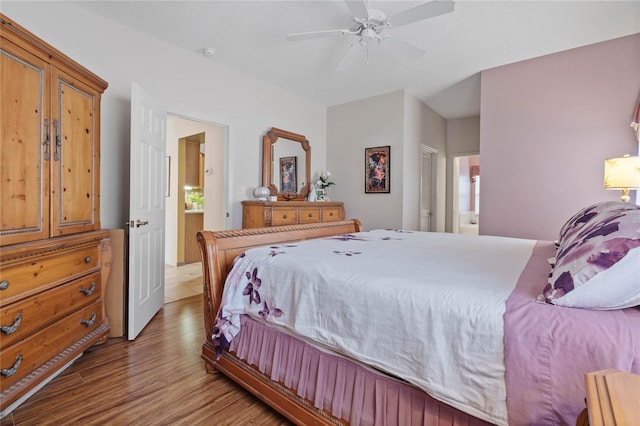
(75, 157)
(24, 108)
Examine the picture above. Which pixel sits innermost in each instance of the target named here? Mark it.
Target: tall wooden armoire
(53, 254)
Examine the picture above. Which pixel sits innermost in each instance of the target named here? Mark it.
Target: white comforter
(426, 307)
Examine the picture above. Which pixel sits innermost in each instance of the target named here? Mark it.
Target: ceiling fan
(372, 26)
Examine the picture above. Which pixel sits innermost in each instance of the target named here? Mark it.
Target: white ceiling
(478, 35)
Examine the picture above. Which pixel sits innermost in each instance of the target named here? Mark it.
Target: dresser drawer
(22, 279)
(25, 356)
(22, 318)
(309, 215)
(331, 214)
(284, 216)
(256, 214)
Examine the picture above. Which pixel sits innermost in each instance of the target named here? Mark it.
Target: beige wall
(396, 119)
(352, 127)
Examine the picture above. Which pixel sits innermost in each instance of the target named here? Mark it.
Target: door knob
(138, 223)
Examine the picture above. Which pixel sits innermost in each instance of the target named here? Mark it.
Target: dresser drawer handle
(10, 329)
(331, 214)
(88, 291)
(8, 372)
(90, 321)
(4, 284)
(310, 214)
(284, 216)
(87, 259)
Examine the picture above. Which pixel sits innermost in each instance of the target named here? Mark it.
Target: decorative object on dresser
(261, 193)
(281, 148)
(54, 259)
(323, 185)
(257, 214)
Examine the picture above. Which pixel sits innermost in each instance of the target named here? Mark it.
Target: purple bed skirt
(331, 383)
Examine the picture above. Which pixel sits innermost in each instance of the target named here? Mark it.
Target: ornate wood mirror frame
(269, 162)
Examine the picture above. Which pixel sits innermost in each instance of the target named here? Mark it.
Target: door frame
(201, 125)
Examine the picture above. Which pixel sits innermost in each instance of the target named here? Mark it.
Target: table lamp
(622, 173)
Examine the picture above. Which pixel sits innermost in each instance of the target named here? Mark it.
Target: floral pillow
(597, 263)
(573, 225)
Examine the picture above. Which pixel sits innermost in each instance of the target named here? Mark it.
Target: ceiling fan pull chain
(367, 53)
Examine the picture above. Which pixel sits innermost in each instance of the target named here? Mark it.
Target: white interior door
(426, 184)
(146, 210)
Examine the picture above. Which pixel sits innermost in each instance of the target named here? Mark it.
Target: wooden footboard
(218, 250)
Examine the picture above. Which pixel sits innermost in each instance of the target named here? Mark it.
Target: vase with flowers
(323, 185)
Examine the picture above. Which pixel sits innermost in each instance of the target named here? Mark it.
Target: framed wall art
(377, 175)
(288, 175)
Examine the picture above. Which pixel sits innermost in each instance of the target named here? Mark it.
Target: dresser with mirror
(286, 172)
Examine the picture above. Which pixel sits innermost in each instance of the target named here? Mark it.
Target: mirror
(286, 164)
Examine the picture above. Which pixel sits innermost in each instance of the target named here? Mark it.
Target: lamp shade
(622, 172)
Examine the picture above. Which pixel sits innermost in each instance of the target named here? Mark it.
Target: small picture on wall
(377, 170)
(288, 175)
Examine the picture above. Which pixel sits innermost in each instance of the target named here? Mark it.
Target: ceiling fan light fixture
(373, 25)
(368, 35)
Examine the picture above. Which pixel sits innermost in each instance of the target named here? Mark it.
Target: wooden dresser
(257, 214)
(53, 256)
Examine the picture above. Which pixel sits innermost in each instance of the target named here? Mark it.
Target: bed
(494, 338)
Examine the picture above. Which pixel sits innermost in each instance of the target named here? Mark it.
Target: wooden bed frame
(218, 250)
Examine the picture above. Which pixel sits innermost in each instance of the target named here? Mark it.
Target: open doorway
(196, 199)
(466, 194)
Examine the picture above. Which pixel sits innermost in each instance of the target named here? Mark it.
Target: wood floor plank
(157, 379)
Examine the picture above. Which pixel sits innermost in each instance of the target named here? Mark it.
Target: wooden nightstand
(613, 397)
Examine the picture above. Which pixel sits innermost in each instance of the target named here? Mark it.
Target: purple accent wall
(546, 126)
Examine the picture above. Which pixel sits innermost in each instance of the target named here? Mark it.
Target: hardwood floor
(157, 379)
(182, 281)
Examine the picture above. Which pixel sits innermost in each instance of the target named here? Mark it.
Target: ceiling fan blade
(403, 48)
(316, 34)
(358, 8)
(424, 11)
